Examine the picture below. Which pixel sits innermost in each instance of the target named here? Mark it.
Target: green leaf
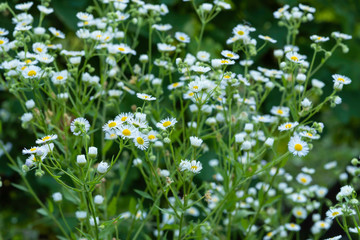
(112, 207)
(50, 206)
(143, 194)
(132, 206)
(107, 146)
(42, 212)
(20, 187)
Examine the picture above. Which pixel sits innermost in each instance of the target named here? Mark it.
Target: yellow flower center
(33, 149)
(191, 94)
(112, 124)
(146, 97)
(2, 41)
(227, 76)
(269, 234)
(341, 79)
(279, 111)
(322, 224)
(309, 134)
(59, 78)
(298, 147)
(98, 36)
(196, 87)
(140, 140)
(299, 213)
(46, 138)
(27, 61)
(182, 38)
(175, 84)
(86, 23)
(224, 61)
(294, 58)
(112, 135)
(167, 123)
(303, 180)
(123, 119)
(23, 68)
(292, 225)
(241, 32)
(121, 49)
(287, 126)
(151, 137)
(230, 55)
(39, 49)
(194, 167)
(335, 214)
(31, 73)
(57, 33)
(319, 38)
(126, 132)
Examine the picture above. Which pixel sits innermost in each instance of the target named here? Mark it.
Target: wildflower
(318, 39)
(195, 166)
(346, 191)
(127, 131)
(195, 141)
(163, 47)
(334, 238)
(31, 72)
(342, 36)
(24, 6)
(306, 103)
(98, 199)
(182, 37)
(203, 56)
(229, 54)
(79, 126)
(306, 8)
(241, 31)
(295, 57)
(333, 213)
(57, 197)
(246, 146)
(304, 179)
(81, 215)
(322, 225)
(81, 160)
(145, 97)
(298, 147)
(292, 227)
(102, 167)
(33, 150)
(30, 104)
(3, 32)
(111, 135)
(269, 142)
(299, 212)
(200, 69)
(267, 38)
(59, 78)
(220, 62)
(175, 85)
(341, 79)
(162, 27)
(280, 111)
(124, 117)
(46, 139)
(287, 126)
(166, 123)
(92, 221)
(57, 33)
(193, 211)
(26, 117)
(45, 10)
(140, 141)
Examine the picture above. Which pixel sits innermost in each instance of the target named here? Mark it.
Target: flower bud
(81, 160)
(102, 167)
(93, 151)
(57, 197)
(98, 199)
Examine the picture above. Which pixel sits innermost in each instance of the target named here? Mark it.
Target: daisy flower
(127, 131)
(111, 135)
(175, 85)
(200, 69)
(163, 47)
(193, 211)
(299, 212)
(145, 97)
(166, 123)
(24, 6)
(341, 79)
(307, 8)
(309, 134)
(46, 139)
(33, 150)
(31, 72)
(342, 36)
(292, 227)
(162, 27)
(84, 16)
(59, 78)
(124, 117)
(182, 37)
(45, 10)
(111, 125)
(57, 33)
(280, 111)
(229, 54)
(333, 213)
(318, 39)
(151, 136)
(298, 147)
(267, 38)
(295, 57)
(3, 32)
(140, 141)
(195, 86)
(79, 126)
(195, 166)
(203, 56)
(241, 31)
(287, 126)
(195, 141)
(304, 179)
(39, 48)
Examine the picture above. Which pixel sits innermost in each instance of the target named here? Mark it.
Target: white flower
(145, 97)
(304, 179)
(287, 126)
(46, 139)
(280, 111)
(32, 72)
(81, 215)
(292, 227)
(102, 167)
(163, 47)
(229, 54)
(346, 191)
(298, 147)
(59, 78)
(195, 141)
(57, 197)
(193, 211)
(182, 37)
(166, 123)
(335, 238)
(269, 142)
(57, 33)
(341, 79)
(98, 199)
(200, 69)
(137, 162)
(317, 84)
(203, 56)
(79, 126)
(162, 27)
(195, 166)
(295, 57)
(92, 221)
(299, 212)
(267, 38)
(140, 141)
(45, 10)
(318, 39)
(184, 165)
(246, 146)
(26, 117)
(306, 103)
(333, 213)
(30, 104)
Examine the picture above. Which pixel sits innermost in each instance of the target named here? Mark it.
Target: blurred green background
(340, 141)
